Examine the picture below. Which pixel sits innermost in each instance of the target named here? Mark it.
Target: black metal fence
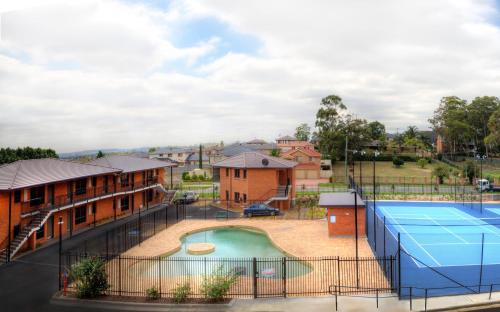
(256, 277)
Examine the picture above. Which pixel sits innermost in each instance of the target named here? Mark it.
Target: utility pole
(345, 161)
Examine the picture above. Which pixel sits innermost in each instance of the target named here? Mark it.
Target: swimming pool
(235, 249)
(443, 244)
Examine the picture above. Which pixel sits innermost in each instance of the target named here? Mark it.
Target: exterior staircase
(25, 233)
(169, 195)
(281, 193)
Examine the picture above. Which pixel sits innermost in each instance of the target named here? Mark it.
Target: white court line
(485, 225)
(439, 244)
(413, 239)
(447, 230)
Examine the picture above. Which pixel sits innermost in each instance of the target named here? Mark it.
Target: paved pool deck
(299, 238)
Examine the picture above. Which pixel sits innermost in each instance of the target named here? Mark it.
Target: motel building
(35, 194)
(253, 177)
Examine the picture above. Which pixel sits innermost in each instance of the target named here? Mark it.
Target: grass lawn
(386, 168)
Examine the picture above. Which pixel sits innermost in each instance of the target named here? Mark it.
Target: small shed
(341, 213)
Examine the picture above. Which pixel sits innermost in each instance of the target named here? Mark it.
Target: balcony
(28, 207)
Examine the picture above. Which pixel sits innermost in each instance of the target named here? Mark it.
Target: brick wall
(344, 224)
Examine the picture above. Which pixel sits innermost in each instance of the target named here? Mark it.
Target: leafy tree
(441, 171)
(99, 154)
(399, 140)
(275, 152)
(376, 130)
(303, 132)
(422, 162)
(152, 150)
(479, 112)
(9, 155)
(469, 170)
(397, 161)
(493, 138)
(186, 176)
(411, 132)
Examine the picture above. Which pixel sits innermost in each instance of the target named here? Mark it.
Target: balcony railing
(90, 193)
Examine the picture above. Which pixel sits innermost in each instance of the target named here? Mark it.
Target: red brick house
(254, 177)
(34, 194)
(309, 162)
(341, 213)
(286, 143)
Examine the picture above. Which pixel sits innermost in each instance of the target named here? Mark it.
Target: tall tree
(303, 132)
(479, 112)
(8, 155)
(329, 122)
(493, 138)
(377, 130)
(99, 154)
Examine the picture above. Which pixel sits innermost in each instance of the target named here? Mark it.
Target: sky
(91, 74)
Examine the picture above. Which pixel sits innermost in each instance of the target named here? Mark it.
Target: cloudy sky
(93, 74)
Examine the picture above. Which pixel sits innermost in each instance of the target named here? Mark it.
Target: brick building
(342, 211)
(309, 163)
(255, 177)
(286, 143)
(34, 194)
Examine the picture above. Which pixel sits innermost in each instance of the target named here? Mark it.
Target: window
(80, 215)
(40, 233)
(244, 198)
(37, 195)
(227, 195)
(124, 179)
(124, 203)
(236, 196)
(236, 173)
(94, 181)
(81, 186)
(17, 196)
(227, 172)
(244, 173)
(169, 155)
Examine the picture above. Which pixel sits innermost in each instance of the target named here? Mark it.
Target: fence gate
(269, 277)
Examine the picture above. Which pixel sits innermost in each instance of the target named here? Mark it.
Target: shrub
(90, 277)
(397, 161)
(441, 171)
(422, 162)
(216, 286)
(152, 293)
(181, 292)
(469, 170)
(186, 176)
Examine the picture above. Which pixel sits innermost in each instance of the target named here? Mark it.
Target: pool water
(235, 249)
(232, 243)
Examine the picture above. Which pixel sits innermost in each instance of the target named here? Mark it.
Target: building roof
(33, 172)
(254, 160)
(129, 164)
(341, 199)
(307, 151)
(238, 148)
(196, 157)
(166, 150)
(287, 138)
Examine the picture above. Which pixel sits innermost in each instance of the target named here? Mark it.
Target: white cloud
(90, 74)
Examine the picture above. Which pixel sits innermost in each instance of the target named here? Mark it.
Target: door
(50, 227)
(50, 192)
(270, 277)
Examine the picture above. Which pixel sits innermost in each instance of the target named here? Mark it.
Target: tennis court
(444, 244)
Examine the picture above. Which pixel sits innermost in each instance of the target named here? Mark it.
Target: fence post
(159, 275)
(154, 222)
(119, 275)
(385, 266)
(491, 290)
(399, 265)
(254, 264)
(336, 298)
(283, 263)
(425, 303)
(411, 295)
(482, 260)
(107, 245)
(338, 271)
(377, 296)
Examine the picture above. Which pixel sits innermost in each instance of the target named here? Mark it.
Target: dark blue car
(260, 210)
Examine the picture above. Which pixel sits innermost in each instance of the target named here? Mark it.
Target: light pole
(356, 232)
(481, 158)
(60, 223)
(361, 153)
(375, 154)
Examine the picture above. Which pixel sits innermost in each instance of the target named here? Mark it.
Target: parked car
(260, 210)
(188, 197)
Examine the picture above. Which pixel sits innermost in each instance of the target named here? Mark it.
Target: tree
(493, 138)
(469, 170)
(411, 132)
(303, 132)
(397, 161)
(441, 172)
(399, 140)
(99, 154)
(9, 155)
(376, 130)
(479, 112)
(275, 152)
(90, 277)
(152, 150)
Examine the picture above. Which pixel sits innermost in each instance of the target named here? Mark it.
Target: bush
(152, 293)
(90, 277)
(422, 162)
(441, 171)
(217, 285)
(397, 161)
(185, 176)
(181, 292)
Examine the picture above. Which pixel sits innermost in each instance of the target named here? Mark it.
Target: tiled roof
(341, 199)
(129, 163)
(307, 151)
(27, 173)
(238, 148)
(257, 141)
(254, 160)
(287, 138)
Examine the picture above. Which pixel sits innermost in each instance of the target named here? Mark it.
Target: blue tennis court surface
(443, 234)
(450, 248)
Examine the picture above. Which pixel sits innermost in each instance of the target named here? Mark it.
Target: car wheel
(273, 213)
